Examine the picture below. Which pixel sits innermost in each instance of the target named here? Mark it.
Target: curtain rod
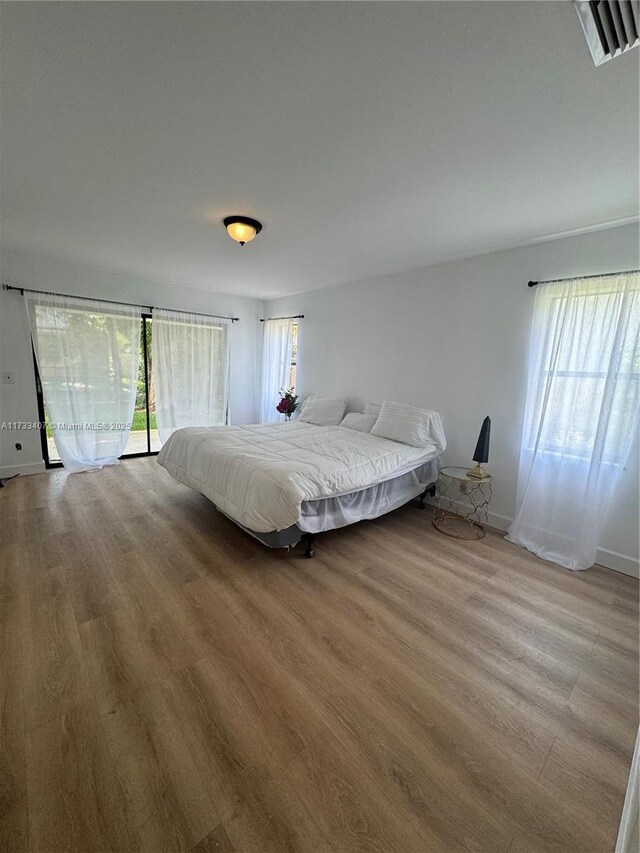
(24, 290)
(294, 317)
(580, 277)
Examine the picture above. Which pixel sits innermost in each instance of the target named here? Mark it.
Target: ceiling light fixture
(241, 228)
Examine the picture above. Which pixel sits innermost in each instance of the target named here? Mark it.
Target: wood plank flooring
(169, 684)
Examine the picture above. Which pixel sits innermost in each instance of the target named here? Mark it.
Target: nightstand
(461, 507)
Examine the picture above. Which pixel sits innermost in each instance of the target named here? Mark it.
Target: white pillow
(323, 411)
(362, 423)
(372, 409)
(408, 425)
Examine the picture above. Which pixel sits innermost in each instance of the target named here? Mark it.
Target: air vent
(612, 27)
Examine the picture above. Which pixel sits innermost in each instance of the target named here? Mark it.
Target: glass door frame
(42, 413)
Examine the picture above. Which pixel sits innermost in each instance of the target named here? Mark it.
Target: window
(583, 404)
(112, 382)
(580, 351)
(87, 355)
(143, 439)
(294, 357)
(279, 364)
(191, 367)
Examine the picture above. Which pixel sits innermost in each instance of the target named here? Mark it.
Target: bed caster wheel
(309, 553)
(308, 545)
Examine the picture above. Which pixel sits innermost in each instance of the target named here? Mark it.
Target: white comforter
(260, 475)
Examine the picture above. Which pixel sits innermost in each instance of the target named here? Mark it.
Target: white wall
(18, 401)
(454, 338)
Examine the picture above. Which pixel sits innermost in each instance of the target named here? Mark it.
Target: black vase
(481, 453)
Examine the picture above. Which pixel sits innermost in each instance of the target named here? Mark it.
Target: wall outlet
(7, 378)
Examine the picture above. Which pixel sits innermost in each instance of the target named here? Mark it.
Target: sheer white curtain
(276, 366)
(87, 354)
(191, 370)
(581, 414)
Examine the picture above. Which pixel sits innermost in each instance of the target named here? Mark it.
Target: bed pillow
(361, 423)
(323, 411)
(372, 409)
(408, 425)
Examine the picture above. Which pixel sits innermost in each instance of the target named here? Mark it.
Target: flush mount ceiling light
(241, 228)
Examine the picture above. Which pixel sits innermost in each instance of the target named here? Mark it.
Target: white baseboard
(618, 562)
(500, 522)
(623, 563)
(31, 468)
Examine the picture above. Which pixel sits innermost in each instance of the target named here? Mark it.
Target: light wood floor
(170, 684)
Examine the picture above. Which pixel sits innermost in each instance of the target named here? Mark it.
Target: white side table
(461, 507)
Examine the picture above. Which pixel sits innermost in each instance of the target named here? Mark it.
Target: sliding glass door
(143, 439)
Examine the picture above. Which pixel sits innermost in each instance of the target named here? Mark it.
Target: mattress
(261, 475)
(332, 513)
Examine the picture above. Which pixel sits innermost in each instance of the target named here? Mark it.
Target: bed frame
(292, 535)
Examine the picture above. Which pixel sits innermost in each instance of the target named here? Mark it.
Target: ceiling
(369, 138)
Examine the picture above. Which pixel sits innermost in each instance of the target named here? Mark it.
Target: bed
(283, 483)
